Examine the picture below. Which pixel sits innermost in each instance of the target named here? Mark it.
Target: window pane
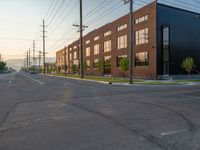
(142, 59)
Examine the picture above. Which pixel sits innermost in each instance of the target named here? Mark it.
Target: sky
(21, 20)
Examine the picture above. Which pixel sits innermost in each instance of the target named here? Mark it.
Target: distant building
(163, 37)
(60, 63)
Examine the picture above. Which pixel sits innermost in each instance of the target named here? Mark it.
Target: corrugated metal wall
(184, 37)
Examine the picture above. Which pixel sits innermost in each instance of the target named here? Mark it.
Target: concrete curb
(124, 84)
(63, 77)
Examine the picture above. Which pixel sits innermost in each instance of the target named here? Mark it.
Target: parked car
(33, 72)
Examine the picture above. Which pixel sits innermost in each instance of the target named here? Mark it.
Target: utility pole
(65, 65)
(34, 64)
(39, 60)
(27, 61)
(44, 53)
(81, 27)
(131, 41)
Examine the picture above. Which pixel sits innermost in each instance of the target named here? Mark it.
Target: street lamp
(131, 40)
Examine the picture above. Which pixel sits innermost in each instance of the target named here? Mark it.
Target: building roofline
(181, 9)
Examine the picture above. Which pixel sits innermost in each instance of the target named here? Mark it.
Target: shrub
(124, 65)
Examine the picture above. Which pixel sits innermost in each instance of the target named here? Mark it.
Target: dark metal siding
(184, 37)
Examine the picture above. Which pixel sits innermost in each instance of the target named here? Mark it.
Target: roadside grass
(195, 80)
(124, 80)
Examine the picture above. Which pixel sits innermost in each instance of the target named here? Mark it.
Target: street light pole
(131, 41)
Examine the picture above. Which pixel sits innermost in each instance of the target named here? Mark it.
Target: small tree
(59, 69)
(2, 66)
(124, 65)
(74, 68)
(65, 67)
(188, 65)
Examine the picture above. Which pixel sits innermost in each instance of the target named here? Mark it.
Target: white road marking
(173, 132)
(42, 83)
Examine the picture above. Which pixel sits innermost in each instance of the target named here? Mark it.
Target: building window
(122, 42)
(87, 63)
(96, 49)
(96, 63)
(119, 58)
(70, 49)
(70, 56)
(166, 49)
(75, 55)
(107, 65)
(87, 42)
(76, 62)
(96, 38)
(142, 19)
(122, 27)
(142, 59)
(75, 47)
(142, 36)
(107, 33)
(107, 46)
(87, 51)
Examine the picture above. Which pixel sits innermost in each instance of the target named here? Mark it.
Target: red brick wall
(139, 72)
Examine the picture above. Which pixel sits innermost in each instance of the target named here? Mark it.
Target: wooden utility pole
(44, 53)
(34, 64)
(65, 62)
(27, 61)
(131, 41)
(81, 38)
(81, 28)
(39, 60)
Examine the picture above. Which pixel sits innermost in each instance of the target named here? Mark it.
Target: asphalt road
(47, 113)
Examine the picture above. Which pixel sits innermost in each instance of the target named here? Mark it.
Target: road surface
(49, 113)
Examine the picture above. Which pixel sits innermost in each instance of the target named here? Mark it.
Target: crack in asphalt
(151, 138)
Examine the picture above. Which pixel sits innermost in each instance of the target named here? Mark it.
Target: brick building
(60, 60)
(163, 37)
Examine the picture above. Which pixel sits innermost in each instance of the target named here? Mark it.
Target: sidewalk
(120, 81)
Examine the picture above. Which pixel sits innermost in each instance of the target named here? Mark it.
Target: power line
(180, 6)
(49, 9)
(106, 12)
(62, 13)
(63, 1)
(60, 23)
(52, 10)
(188, 4)
(101, 5)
